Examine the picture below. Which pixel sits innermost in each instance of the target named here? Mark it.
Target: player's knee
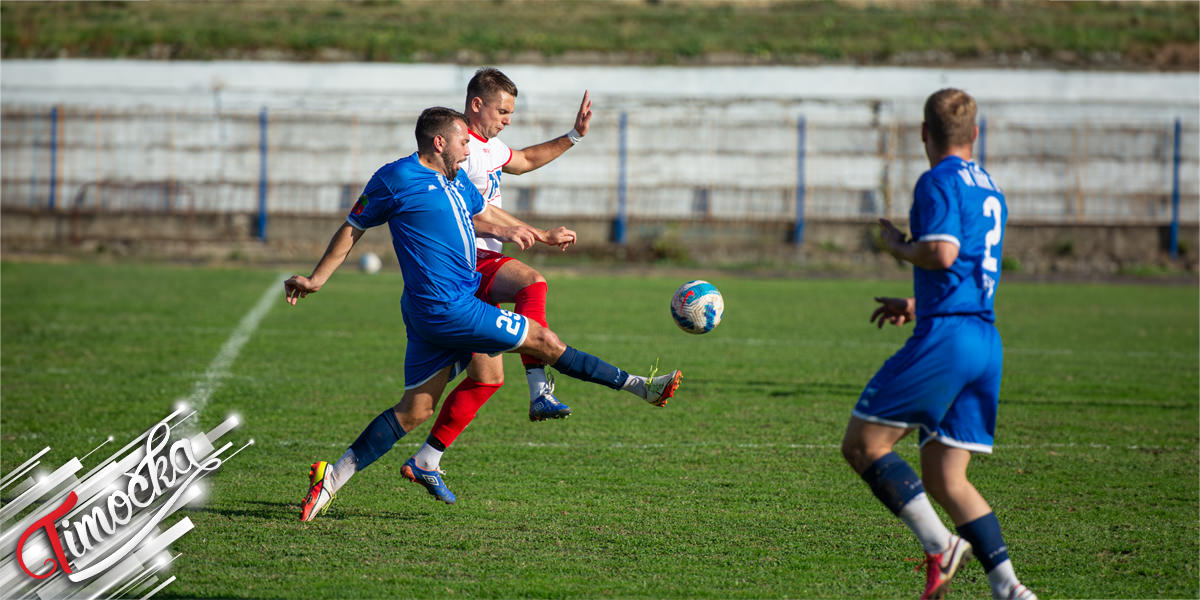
(491, 379)
(529, 276)
(413, 410)
(544, 344)
(853, 451)
(420, 415)
(486, 370)
(861, 453)
(550, 341)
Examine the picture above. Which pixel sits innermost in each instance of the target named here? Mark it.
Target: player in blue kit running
(945, 381)
(431, 209)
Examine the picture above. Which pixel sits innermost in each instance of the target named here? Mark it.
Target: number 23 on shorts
(509, 321)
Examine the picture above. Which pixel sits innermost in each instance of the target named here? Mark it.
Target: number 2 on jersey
(992, 208)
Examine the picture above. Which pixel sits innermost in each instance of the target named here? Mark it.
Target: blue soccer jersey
(956, 201)
(946, 378)
(430, 220)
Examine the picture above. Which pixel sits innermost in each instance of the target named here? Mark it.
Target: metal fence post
(33, 176)
(53, 154)
(983, 142)
(618, 227)
(798, 232)
(262, 175)
(1175, 194)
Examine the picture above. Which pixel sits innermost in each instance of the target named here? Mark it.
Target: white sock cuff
(920, 517)
(1002, 578)
(428, 457)
(341, 471)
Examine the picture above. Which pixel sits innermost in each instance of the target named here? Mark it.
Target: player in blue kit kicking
(431, 209)
(945, 381)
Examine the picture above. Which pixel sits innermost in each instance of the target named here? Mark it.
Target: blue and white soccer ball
(697, 307)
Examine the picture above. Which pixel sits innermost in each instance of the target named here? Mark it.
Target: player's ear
(476, 103)
(925, 133)
(439, 143)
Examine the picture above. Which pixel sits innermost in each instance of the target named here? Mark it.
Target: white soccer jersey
(483, 168)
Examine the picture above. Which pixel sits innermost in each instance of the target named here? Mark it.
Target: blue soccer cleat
(432, 480)
(546, 406)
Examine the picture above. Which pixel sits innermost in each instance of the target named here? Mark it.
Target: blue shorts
(438, 339)
(945, 380)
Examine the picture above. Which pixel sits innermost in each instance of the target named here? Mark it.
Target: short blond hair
(950, 118)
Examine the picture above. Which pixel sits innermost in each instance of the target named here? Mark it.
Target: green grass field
(735, 490)
(1078, 34)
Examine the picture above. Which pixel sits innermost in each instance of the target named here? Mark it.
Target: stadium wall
(835, 245)
(705, 161)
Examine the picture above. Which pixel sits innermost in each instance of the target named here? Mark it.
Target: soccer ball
(697, 307)
(370, 263)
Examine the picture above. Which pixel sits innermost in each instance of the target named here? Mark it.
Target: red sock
(531, 302)
(459, 409)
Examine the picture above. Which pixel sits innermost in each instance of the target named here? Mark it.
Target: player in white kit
(490, 101)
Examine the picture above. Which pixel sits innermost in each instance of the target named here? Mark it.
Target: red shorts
(488, 263)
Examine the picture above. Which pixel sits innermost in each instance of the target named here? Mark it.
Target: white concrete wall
(1064, 146)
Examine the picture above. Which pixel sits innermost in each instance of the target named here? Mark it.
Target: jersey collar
(476, 135)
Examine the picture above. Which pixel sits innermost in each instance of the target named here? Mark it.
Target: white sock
(1002, 578)
(428, 457)
(536, 376)
(920, 517)
(341, 471)
(636, 385)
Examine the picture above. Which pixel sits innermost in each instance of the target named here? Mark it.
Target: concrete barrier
(845, 246)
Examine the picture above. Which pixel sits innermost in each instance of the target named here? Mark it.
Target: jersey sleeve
(374, 206)
(502, 151)
(935, 216)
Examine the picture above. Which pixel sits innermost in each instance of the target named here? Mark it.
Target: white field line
(219, 369)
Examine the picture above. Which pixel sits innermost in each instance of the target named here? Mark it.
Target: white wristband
(574, 136)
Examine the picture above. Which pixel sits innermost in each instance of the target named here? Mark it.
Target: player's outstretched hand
(585, 115)
(561, 237)
(896, 311)
(297, 287)
(523, 236)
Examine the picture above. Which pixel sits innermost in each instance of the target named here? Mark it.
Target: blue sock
(581, 365)
(985, 538)
(893, 481)
(376, 439)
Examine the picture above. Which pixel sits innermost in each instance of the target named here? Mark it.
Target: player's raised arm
(498, 223)
(299, 286)
(532, 157)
